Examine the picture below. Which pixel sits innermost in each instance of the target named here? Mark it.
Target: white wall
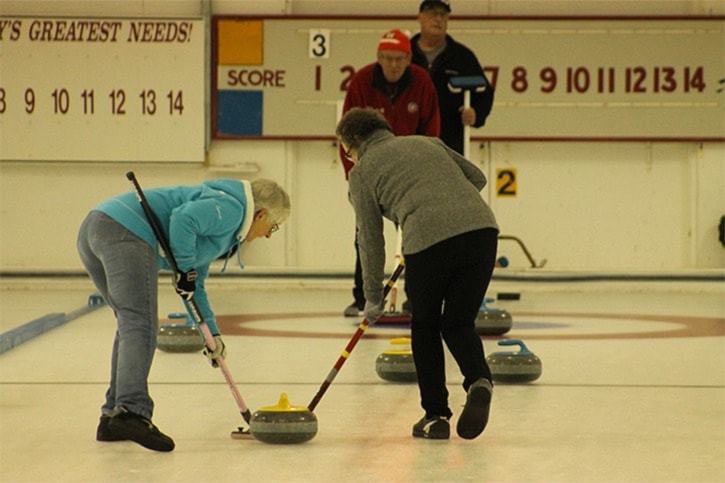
(582, 206)
(616, 205)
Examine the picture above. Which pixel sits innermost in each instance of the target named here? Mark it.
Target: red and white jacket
(410, 105)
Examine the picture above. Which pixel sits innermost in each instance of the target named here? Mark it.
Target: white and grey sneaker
(353, 310)
(436, 427)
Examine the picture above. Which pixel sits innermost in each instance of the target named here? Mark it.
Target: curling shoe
(407, 308)
(474, 417)
(436, 427)
(129, 426)
(103, 433)
(354, 309)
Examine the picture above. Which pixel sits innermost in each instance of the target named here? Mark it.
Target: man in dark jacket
(443, 58)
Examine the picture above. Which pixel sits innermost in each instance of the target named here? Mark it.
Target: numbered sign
(101, 89)
(608, 78)
(319, 44)
(506, 182)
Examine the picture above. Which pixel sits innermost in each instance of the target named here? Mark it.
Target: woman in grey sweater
(450, 239)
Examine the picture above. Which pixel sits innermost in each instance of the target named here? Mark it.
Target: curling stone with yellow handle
(396, 364)
(283, 423)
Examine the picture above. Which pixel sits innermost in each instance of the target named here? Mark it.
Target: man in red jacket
(405, 94)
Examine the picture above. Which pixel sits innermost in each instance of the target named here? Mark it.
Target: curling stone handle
(188, 321)
(523, 350)
(485, 301)
(400, 341)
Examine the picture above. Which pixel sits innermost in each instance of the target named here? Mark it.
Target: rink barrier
(14, 337)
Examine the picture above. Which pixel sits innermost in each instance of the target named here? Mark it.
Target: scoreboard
(554, 78)
(102, 89)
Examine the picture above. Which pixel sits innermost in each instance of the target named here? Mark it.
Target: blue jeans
(123, 268)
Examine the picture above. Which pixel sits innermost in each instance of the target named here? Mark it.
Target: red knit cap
(395, 40)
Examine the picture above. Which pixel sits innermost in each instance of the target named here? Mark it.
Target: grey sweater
(431, 191)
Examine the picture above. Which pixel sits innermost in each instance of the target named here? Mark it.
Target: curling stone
(514, 367)
(180, 337)
(491, 321)
(396, 364)
(283, 423)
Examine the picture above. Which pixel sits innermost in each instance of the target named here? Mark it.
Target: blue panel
(239, 113)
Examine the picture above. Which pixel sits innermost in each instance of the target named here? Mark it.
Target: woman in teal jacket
(121, 254)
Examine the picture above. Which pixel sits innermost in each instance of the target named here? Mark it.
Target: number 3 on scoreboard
(319, 44)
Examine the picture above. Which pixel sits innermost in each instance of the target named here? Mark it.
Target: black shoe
(407, 308)
(436, 427)
(354, 309)
(474, 417)
(103, 433)
(127, 425)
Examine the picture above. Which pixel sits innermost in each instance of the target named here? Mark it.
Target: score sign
(104, 89)
(554, 78)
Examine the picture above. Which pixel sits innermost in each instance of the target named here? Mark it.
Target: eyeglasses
(393, 60)
(346, 152)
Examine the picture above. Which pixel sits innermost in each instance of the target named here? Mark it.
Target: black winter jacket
(455, 60)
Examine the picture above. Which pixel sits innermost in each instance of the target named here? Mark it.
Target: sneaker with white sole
(407, 308)
(436, 427)
(474, 417)
(354, 309)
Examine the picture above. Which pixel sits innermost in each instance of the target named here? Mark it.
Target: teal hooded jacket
(202, 223)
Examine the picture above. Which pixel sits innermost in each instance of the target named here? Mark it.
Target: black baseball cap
(425, 4)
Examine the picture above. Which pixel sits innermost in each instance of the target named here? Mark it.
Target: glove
(185, 283)
(373, 311)
(212, 355)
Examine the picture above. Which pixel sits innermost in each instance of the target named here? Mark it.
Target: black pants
(357, 289)
(447, 283)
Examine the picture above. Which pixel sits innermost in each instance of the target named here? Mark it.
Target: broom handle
(353, 342)
(191, 304)
(466, 127)
(398, 257)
